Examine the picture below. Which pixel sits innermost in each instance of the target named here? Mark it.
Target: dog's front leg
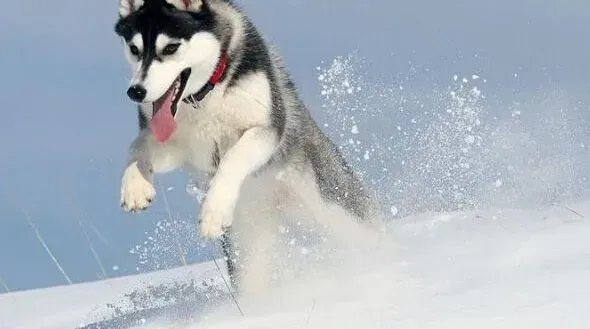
(252, 151)
(146, 157)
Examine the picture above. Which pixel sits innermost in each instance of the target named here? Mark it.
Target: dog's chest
(206, 131)
(204, 139)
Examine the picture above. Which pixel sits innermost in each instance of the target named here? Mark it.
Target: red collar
(214, 80)
(220, 70)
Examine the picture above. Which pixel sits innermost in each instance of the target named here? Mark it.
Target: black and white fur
(252, 136)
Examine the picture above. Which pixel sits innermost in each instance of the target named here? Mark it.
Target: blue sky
(67, 123)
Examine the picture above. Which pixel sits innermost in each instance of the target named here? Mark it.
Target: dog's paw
(216, 216)
(137, 193)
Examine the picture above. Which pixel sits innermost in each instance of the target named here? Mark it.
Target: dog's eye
(170, 49)
(134, 50)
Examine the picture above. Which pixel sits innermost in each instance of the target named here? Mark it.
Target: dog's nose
(136, 93)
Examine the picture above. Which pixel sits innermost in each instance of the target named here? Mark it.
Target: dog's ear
(128, 7)
(188, 5)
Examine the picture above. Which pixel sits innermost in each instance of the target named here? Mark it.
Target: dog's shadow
(178, 304)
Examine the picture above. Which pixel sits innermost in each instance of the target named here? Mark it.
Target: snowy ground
(490, 269)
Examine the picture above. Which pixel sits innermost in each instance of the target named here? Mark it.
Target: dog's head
(171, 46)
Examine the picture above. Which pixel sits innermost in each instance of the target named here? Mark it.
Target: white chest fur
(218, 122)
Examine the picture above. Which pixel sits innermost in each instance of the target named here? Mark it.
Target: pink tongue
(163, 124)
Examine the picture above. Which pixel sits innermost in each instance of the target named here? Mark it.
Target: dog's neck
(217, 76)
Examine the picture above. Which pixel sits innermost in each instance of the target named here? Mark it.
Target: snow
(500, 268)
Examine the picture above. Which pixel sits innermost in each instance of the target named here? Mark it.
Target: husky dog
(213, 97)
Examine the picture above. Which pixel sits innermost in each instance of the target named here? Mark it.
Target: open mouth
(163, 124)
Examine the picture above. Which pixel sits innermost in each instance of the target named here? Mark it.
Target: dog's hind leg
(251, 245)
(230, 256)
(254, 235)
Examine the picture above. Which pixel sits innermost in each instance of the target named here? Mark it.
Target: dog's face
(171, 47)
